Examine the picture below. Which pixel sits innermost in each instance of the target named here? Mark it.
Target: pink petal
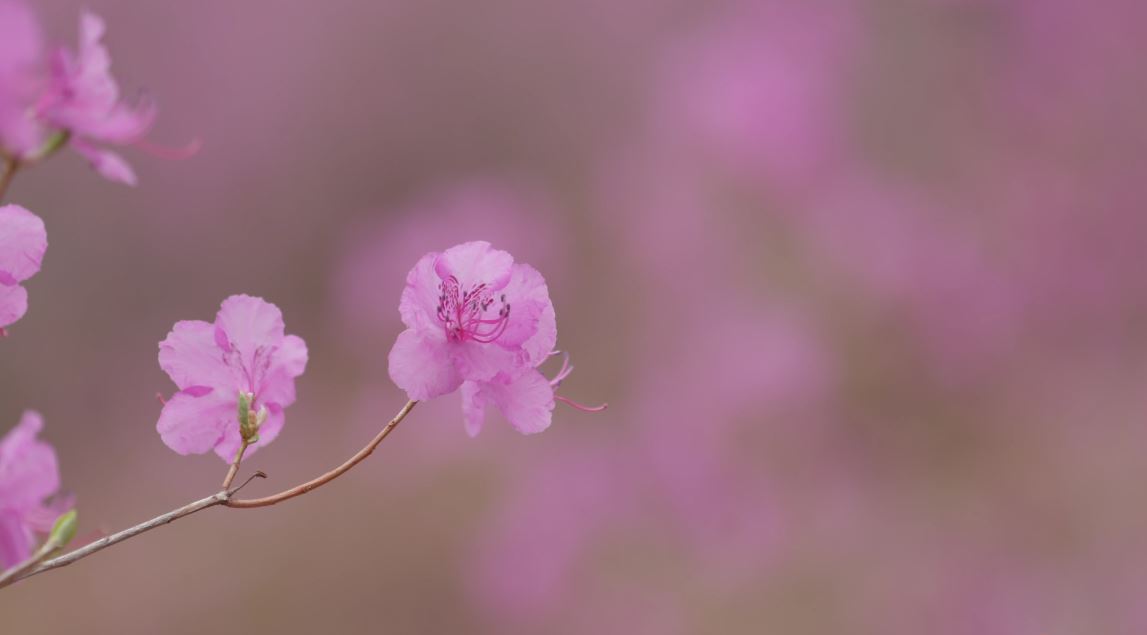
(527, 401)
(106, 163)
(13, 304)
(21, 48)
(481, 362)
(473, 407)
(288, 362)
(247, 324)
(193, 421)
(122, 124)
(190, 356)
(21, 40)
(422, 366)
(23, 241)
(419, 303)
(475, 263)
(15, 539)
(29, 472)
(532, 324)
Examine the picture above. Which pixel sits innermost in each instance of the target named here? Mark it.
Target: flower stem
(37, 564)
(11, 165)
(21, 570)
(230, 478)
(315, 483)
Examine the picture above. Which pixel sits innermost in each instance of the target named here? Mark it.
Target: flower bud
(248, 421)
(64, 529)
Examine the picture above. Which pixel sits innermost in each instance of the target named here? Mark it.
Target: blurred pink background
(861, 281)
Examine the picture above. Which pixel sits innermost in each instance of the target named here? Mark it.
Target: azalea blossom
(29, 475)
(244, 350)
(73, 98)
(83, 98)
(23, 242)
(478, 321)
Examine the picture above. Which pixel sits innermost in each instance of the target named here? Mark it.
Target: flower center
(254, 373)
(466, 314)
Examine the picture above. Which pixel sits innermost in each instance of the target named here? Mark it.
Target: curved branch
(224, 497)
(329, 476)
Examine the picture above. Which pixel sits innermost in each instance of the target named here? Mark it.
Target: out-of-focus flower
(478, 321)
(29, 474)
(23, 242)
(84, 99)
(74, 99)
(244, 350)
(759, 92)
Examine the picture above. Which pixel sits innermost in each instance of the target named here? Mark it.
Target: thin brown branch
(131, 532)
(329, 476)
(11, 165)
(21, 570)
(224, 497)
(234, 469)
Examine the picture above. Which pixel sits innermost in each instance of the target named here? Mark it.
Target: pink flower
(29, 474)
(23, 242)
(74, 99)
(83, 98)
(478, 321)
(244, 350)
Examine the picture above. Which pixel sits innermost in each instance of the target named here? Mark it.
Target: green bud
(244, 407)
(64, 529)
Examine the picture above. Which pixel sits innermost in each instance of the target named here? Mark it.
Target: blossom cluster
(477, 321)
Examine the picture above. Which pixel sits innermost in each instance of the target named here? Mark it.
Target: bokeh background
(861, 281)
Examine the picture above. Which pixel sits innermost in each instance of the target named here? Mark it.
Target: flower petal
(247, 324)
(423, 367)
(475, 263)
(21, 40)
(288, 362)
(194, 420)
(473, 407)
(481, 362)
(527, 401)
(106, 163)
(191, 357)
(419, 303)
(532, 325)
(15, 539)
(29, 471)
(13, 304)
(23, 242)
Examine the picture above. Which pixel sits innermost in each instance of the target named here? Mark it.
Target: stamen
(579, 406)
(565, 371)
(464, 317)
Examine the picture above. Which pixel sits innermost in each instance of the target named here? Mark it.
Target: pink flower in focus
(244, 350)
(23, 242)
(478, 321)
(83, 99)
(29, 474)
